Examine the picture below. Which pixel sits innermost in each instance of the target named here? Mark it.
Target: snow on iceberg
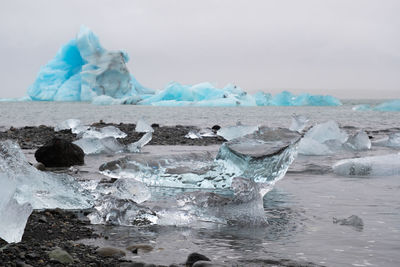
(82, 70)
(387, 165)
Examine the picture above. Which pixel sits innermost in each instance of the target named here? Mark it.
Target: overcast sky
(347, 48)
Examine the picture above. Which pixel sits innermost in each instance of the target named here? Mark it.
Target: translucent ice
(193, 135)
(116, 211)
(92, 145)
(13, 216)
(103, 132)
(143, 127)
(73, 124)
(299, 122)
(138, 145)
(386, 165)
(286, 98)
(232, 132)
(393, 140)
(42, 190)
(359, 141)
(322, 139)
(263, 157)
(125, 189)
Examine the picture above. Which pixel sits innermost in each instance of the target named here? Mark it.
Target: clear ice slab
(387, 165)
(263, 156)
(41, 189)
(232, 132)
(91, 145)
(358, 141)
(393, 141)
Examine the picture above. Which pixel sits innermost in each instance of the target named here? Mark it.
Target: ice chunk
(393, 105)
(310, 147)
(299, 122)
(386, 165)
(353, 221)
(359, 141)
(108, 131)
(91, 145)
(137, 146)
(326, 131)
(193, 135)
(232, 132)
(126, 189)
(13, 216)
(263, 156)
(82, 70)
(42, 190)
(393, 140)
(115, 211)
(143, 127)
(73, 124)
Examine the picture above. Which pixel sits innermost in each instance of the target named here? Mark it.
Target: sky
(345, 48)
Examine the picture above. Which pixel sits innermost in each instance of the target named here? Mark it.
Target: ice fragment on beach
(311, 147)
(193, 135)
(138, 145)
(386, 165)
(73, 124)
(92, 145)
(116, 211)
(103, 132)
(232, 132)
(126, 189)
(393, 140)
(359, 141)
(299, 122)
(143, 127)
(42, 190)
(13, 216)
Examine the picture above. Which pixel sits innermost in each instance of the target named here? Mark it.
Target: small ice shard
(299, 122)
(42, 190)
(232, 132)
(393, 140)
(359, 141)
(326, 131)
(126, 189)
(387, 165)
(143, 127)
(138, 145)
(322, 139)
(353, 221)
(13, 216)
(263, 156)
(103, 132)
(72, 124)
(193, 135)
(112, 210)
(92, 145)
(310, 147)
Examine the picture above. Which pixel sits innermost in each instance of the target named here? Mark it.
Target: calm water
(300, 208)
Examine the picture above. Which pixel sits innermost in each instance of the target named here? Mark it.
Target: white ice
(91, 145)
(358, 141)
(143, 127)
(232, 132)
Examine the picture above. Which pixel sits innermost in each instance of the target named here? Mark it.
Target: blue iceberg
(393, 105)
(83, 70)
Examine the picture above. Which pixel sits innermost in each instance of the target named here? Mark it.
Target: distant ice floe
(82, 70)
(391, 105)
(387, 165)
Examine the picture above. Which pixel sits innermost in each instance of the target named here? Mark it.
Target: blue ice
(83, 70)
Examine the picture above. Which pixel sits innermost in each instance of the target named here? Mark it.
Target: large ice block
(263, 156)
(13, 216)
(125, 189)
(358, 141)
(386, 165)
(42, 190)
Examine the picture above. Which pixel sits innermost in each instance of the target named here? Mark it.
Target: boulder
(60, 153)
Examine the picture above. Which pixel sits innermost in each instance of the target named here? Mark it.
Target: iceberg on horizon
(83, 70)
(391, 105)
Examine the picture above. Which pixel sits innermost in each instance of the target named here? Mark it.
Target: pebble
(110, 252)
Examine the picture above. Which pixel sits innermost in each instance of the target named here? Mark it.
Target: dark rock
(60, 153)
(205, 264)
(194, 257)
(40, 166)
(110, 252)
(215, 128)
(155, 125)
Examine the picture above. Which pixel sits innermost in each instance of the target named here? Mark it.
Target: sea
(300, 209)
